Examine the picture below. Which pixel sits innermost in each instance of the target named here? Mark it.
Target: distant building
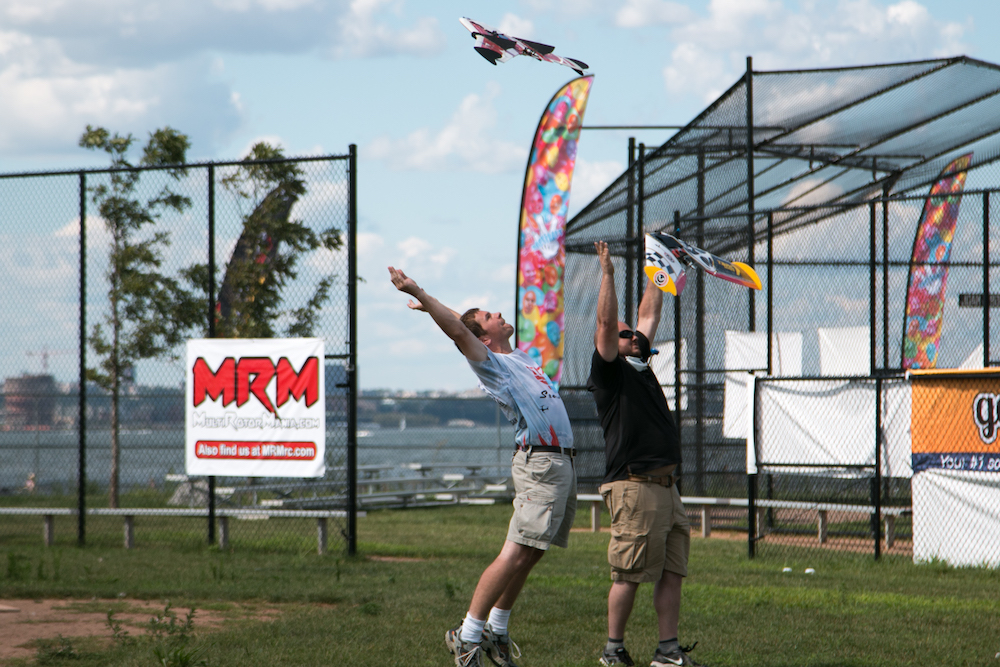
(30, 401)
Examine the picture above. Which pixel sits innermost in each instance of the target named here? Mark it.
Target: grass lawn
(416, 572)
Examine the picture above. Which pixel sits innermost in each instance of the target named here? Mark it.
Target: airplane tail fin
(489, 54)
(543, 49)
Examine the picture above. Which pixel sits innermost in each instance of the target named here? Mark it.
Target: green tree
(150, 313)
(251, 294)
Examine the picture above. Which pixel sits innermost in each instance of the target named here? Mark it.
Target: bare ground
(24, 622)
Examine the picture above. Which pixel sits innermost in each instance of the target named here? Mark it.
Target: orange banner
(956, 420)
(955, 413)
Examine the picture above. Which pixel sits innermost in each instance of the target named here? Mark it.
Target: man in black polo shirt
(650, 533)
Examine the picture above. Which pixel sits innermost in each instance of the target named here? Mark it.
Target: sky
(442, 134)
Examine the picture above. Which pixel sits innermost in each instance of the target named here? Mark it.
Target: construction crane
(45, 353)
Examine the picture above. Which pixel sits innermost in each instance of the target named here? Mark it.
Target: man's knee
(520, 555)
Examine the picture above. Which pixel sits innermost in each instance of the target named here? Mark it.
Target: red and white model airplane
(498, 47)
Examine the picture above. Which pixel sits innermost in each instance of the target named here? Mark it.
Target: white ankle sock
(472, 629)
(498, 620)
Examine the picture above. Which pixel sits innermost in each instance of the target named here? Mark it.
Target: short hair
(472, 324)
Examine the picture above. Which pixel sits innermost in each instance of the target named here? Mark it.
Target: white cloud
(589, 180)
(639, 13)
(466, 142)
(566, 7)
(416, 251)
(132, 65)
(812, 191)
(369, 245)
(709, 52)
(364, 35)
(512, 24)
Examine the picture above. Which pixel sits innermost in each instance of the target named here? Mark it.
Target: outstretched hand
(401, 281)
(404, 283)
(604, 255)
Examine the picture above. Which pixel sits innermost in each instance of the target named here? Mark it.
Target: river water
(147, 456)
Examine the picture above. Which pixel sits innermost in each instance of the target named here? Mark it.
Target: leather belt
(567, 451)
(664, 480)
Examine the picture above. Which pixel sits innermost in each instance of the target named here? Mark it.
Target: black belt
(662, 480)
(568, 451)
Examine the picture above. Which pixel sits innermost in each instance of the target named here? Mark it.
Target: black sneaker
(619, 657)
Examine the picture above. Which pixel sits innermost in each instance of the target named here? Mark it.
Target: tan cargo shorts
(650, 532)
(544, 500)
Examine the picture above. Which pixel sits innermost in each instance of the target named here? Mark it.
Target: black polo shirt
(639, 430)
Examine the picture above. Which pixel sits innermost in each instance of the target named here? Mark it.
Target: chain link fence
(214, 239)
(899, 466)
(832, 306)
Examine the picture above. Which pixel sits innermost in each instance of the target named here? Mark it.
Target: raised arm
(606, 332)
(447, 319)
(649, 311)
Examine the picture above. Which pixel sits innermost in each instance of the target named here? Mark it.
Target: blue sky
(442, 135)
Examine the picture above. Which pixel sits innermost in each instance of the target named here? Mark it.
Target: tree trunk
(115, 451)
(115, 388)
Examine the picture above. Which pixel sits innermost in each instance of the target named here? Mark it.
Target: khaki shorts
(650, 532)
(544, 500)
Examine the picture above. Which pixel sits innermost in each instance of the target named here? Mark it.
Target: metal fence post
(871, 288)
(352, 366)
(677, 344)
(211, 325)
(877, 478)
(81, 505)
(885, 277)
(986, 280)
(752, 314)
(630, 215)
(752, 515)
(640, 254)
(699, 342)
(770, 289)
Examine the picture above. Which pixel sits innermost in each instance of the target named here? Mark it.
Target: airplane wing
(489, 50)
(665, 244)
(663, 265)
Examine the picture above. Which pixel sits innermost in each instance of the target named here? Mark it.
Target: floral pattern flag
(929, 267)
(541, 257)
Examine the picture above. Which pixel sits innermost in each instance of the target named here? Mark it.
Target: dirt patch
(23, 622)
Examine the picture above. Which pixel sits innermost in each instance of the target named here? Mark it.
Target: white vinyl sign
(255, 407)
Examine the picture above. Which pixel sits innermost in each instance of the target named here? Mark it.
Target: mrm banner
(255, 407)
(956, 420)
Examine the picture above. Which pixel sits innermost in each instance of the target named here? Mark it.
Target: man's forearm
(650, 308)
(607, 302)
(446, 318)
(606, 332)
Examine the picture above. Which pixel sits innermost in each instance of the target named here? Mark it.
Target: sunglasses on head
(625, 333)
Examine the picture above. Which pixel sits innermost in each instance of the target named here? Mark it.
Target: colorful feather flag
(541, 256)
(929, 267)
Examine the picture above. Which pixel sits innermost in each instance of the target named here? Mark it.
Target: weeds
(178, 656)
(56, 650)
(165, 626)
(169, 638)
(119, 635)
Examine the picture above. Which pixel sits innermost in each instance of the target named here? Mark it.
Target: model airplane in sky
(498, 47)
(667, 257)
